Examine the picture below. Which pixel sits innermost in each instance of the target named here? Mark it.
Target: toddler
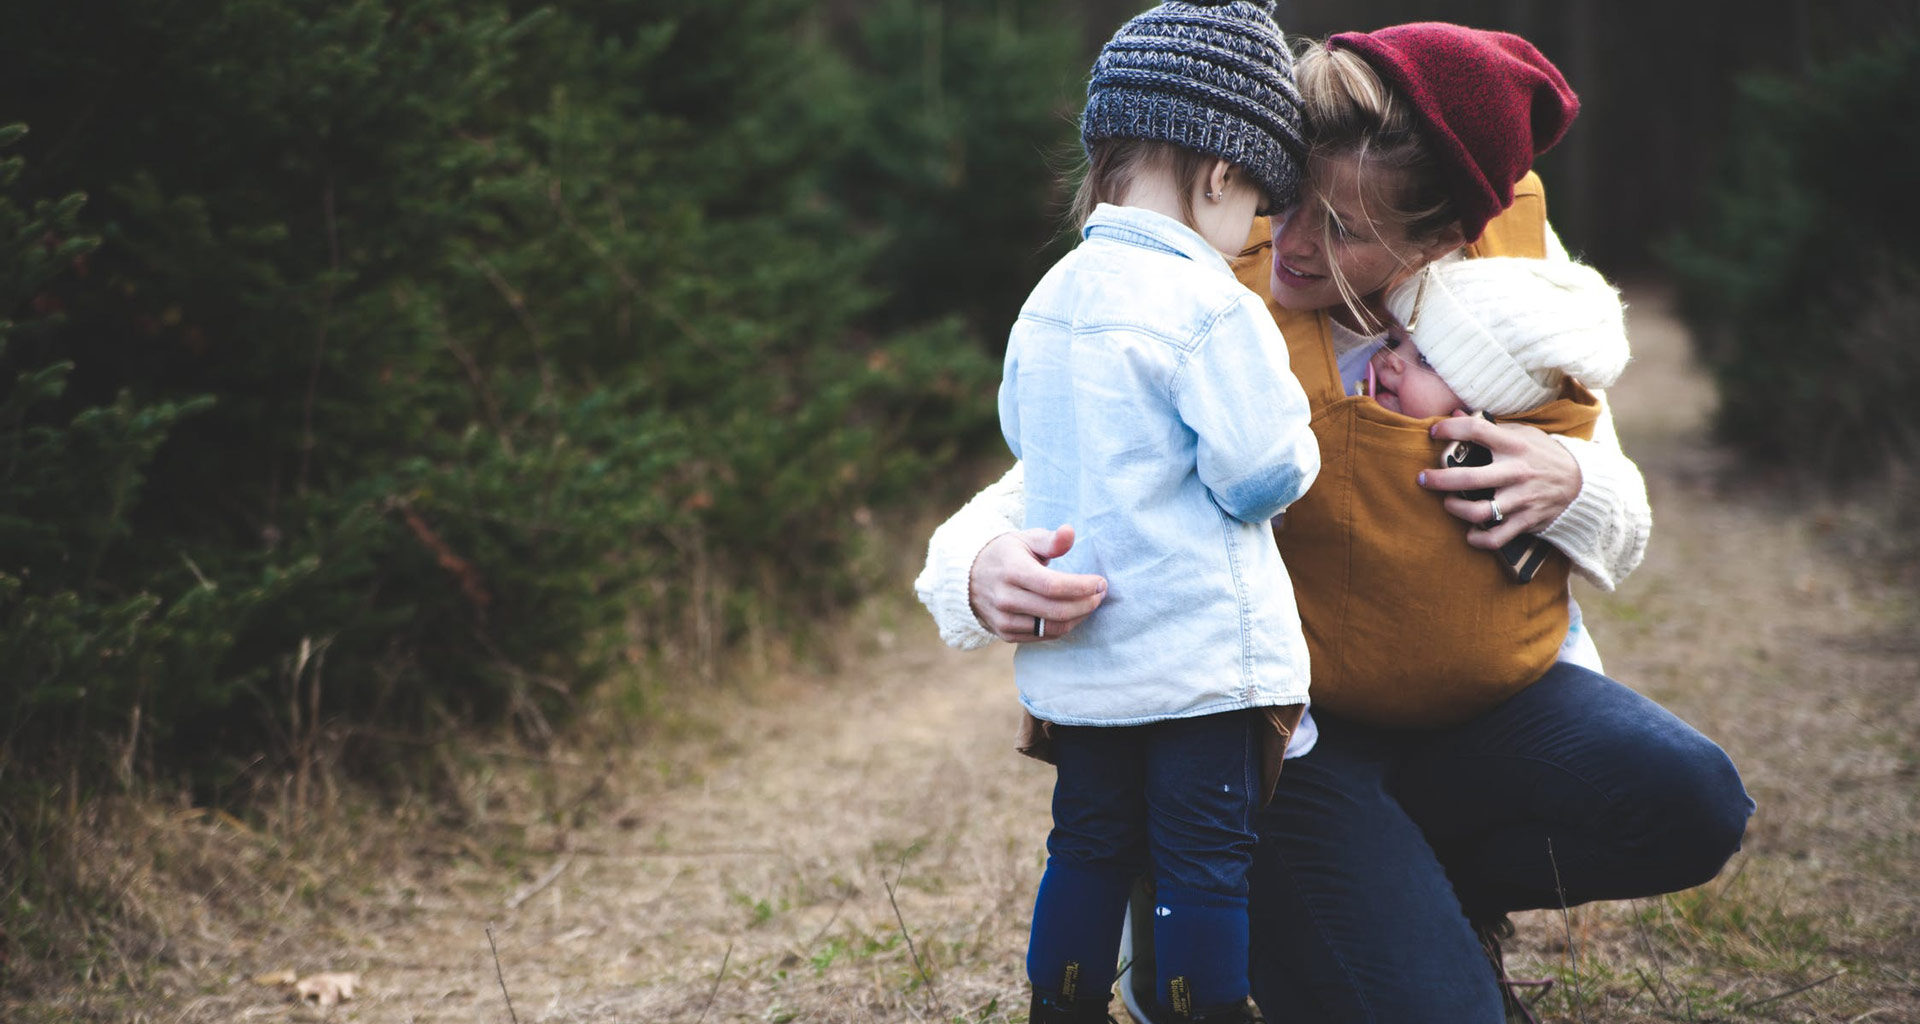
(1149, 396)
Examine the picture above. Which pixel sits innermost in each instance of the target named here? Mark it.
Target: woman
(1387, 855)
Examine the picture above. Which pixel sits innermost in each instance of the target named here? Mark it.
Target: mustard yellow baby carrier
(1406, 624)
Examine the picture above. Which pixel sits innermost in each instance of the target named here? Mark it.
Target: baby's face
(1403, 382)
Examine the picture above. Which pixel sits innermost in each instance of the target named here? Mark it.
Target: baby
(1497, 336)
(1522, 340)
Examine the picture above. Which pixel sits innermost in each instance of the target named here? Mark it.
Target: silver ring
(1039, 627)
(1496, 519)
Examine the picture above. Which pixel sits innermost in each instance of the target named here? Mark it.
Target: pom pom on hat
(1213, 77)
(1505, 332)
(1489, 103)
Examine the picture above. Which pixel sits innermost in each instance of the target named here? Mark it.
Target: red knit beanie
(1489, 102)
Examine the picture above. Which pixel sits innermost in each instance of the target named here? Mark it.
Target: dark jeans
(1174, 797)
(1380, 846)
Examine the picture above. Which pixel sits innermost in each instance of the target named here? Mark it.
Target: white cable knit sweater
(1604, 532)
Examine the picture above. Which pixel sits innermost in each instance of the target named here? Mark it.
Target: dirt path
(790, 840)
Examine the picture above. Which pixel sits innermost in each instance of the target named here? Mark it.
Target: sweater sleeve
(1604, 532)
(944, 582)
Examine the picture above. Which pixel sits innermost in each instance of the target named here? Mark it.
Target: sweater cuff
(1604, 531)
(944, 585)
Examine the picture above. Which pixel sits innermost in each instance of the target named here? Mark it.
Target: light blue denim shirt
(1149, 396)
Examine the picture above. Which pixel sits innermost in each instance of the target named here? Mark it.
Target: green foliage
(412, 359)
(1802, 278)
(965, 107)
(68, 478)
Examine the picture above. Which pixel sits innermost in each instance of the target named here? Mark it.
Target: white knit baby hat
(1503, 332)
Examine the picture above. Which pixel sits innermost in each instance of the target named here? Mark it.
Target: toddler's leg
(1203, 780)
(1097, 846)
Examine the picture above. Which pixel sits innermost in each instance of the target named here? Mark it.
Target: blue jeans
(1380, 846)
(1174, 797)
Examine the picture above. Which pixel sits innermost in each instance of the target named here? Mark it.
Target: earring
(1215, 196)
(1419, 298)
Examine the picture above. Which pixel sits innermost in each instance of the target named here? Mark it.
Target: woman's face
(1369, 255)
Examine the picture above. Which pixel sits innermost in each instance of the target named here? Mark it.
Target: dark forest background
(376, 370)
(1657, 82)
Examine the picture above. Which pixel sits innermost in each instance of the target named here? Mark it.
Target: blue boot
(1053, 1008)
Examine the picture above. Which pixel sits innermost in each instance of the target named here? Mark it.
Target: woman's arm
(1605, 530)
(1584, 497)
(986, 578)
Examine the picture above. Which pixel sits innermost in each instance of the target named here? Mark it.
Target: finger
(1476, 513)
(1016, 629)
(1011, 614)
(1469, 428)
(1057, 610)
(1496, 475)
(1057, 628)
(1072, 588)
(1485, 514)
(1493, 538)
(1014, 610)
(1022, 629)
(1058, 593)
(1061, 627)
(1063, 594)
(1503, 439)
(1049, 544)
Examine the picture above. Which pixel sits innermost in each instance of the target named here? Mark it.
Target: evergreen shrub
(1799, 278)
(436, 354)
(959, 153)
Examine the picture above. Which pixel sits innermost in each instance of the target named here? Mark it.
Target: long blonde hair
(1352, 115)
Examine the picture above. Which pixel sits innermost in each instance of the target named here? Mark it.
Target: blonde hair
(1352, 115)
(1113, 165)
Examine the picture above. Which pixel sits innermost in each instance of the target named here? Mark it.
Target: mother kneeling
(1407, 826)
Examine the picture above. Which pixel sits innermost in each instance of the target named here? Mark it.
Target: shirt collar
(1346, 339)
(1145, 228)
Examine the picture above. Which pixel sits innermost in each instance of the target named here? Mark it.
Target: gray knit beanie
(1504, 332)
(1215, 78)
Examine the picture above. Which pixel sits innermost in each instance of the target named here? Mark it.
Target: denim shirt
(1148, 395)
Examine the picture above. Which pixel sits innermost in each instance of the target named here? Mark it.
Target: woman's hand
(1533, 478)
(1013, 592)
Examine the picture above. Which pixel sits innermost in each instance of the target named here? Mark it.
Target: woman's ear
(1449, 239)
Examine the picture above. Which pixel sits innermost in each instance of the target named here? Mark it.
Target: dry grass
(853, 840)
(783, 825)
(1748, 622)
